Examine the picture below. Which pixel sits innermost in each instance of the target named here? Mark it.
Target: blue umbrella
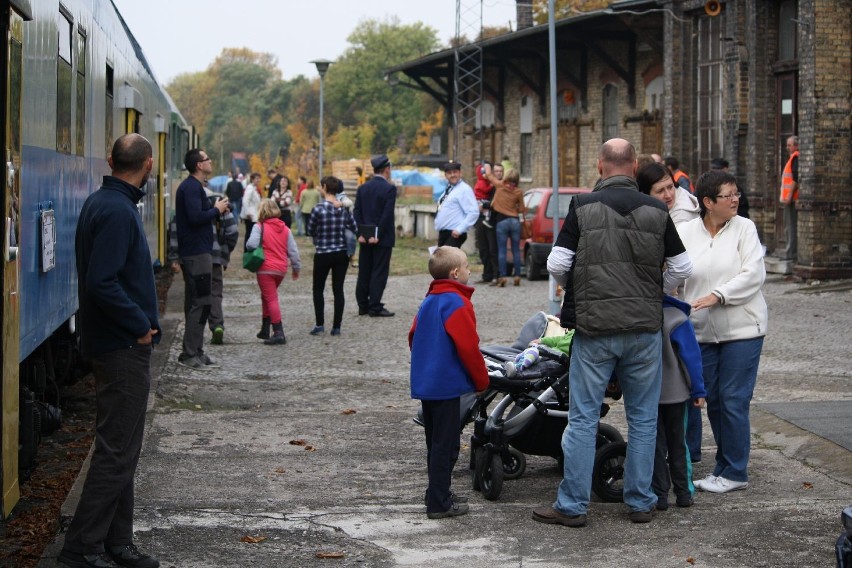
(218, 183)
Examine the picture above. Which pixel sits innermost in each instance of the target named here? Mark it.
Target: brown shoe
(550, 516)
(517, 280)
(501, 282)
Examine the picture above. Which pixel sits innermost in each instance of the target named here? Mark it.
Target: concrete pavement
(218, 464)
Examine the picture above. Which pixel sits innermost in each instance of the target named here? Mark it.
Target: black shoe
(453, 497)
(383, 313)
(662, 505)
(363, 311)
(642, 516)
(77, 560)
(685, 501)
(455, 510)
(129, 555)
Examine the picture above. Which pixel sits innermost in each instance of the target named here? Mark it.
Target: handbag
(252, 260)
(526, 227)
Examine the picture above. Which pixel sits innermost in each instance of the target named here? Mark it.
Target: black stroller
(529, 419)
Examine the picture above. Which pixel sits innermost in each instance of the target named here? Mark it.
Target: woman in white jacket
(730, 319)
(251, 203)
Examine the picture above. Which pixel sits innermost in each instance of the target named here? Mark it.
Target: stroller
(530, 417)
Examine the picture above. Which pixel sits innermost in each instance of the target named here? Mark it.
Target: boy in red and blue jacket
(445, 364)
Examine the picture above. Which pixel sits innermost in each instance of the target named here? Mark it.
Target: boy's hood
(672, 302)
(443, 286)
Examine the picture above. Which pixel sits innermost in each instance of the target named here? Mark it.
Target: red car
(540, 210)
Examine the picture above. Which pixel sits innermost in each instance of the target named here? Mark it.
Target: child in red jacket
(445, 364)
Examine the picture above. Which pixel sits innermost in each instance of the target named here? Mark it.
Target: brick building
(688, 78)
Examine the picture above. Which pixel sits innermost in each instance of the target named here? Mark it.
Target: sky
(185, 36)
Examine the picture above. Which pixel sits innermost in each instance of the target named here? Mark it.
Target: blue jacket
(445, 358)
(683, 373)
(115, 275)
(194, 215)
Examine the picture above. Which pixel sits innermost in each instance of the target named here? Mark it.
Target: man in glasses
(194, 216)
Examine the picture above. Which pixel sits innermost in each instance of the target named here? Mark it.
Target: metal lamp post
(322, 67)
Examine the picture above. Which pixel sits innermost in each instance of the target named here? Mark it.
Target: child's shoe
(455, 510)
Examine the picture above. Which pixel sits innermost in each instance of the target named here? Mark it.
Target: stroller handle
(553, 354)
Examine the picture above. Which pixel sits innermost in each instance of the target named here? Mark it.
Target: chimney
(525, 14)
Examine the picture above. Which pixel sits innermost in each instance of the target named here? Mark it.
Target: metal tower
(467, 72)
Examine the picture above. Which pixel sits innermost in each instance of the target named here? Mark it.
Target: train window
(81, 92)
(64, 86)
(108, 112)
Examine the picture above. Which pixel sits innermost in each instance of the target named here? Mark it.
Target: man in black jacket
(609, 257)
(194, 216)
(374, 206)
(118, 327)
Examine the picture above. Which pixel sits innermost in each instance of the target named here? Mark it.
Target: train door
(160, 127)
(11, 61)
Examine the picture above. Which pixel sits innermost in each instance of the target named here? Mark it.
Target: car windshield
(564, 206)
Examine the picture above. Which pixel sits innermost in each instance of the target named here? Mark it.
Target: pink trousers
(268, 284)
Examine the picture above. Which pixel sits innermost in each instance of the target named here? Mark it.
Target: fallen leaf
(279, 470)
(349, 411)
(253, 539)
(330, 555)
(197, 407)
(298, 443)
(310, 449)
(386, 381)
(807, 485)
(391, 406)
(691, 560)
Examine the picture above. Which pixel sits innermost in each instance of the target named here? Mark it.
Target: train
(75, 80)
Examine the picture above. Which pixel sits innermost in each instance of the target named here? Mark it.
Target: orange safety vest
(788, 184)
(679, 174)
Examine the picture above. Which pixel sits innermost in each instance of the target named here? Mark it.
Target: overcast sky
(181, 36)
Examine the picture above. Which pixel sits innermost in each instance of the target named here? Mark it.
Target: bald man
(609, 258)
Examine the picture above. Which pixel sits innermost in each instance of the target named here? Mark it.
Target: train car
(75, 80)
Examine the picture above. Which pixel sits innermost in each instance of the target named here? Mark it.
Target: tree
(566, 8)
(356, 91)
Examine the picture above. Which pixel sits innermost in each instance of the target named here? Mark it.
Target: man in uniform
(457, 208)
(789, 197)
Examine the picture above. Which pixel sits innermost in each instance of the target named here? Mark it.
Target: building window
(108, 111)
(526, 120)
(610, 112)
(568, 106)
(787, 44)
(64, 84)
(485, 115)
(709, 90)
(654, 95)
(81, 92)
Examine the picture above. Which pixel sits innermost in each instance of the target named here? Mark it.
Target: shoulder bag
(252, 260)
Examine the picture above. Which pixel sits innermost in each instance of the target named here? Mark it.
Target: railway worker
(613, 300)
(194, 215)
(118, 327)
(457, 208)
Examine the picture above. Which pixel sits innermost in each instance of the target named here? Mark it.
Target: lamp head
(322, 66)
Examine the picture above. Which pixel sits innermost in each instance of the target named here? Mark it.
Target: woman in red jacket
(280, 252)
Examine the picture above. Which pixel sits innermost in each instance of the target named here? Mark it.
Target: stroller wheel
(608, 473)
(514, 465)
(607, 434)
(489, 471)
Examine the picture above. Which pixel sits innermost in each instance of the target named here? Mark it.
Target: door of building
(785, 126)
(569, 155)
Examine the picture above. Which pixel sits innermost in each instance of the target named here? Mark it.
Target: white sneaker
(722, 485)
(699, 484)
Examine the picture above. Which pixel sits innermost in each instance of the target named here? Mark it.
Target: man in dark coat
(118, 326)
(374, 211)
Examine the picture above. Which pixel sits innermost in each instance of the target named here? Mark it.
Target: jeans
(509, 227)
(637, 360)
(104, 515)
(351, 242)
(730, 373)
(236, 207)
(336, 263)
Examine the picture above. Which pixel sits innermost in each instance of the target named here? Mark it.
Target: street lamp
(322, 67)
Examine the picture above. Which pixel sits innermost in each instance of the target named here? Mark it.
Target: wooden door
(12, 63)
(569, 155)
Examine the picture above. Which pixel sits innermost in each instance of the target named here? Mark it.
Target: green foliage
(241, 103)
(566, 8)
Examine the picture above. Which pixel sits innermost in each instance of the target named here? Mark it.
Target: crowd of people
(662, 290)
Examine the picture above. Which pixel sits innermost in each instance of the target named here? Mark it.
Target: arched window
(654, 95)
(568, 105)
(610, 112)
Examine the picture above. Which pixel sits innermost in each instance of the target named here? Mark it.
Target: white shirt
(459, 210)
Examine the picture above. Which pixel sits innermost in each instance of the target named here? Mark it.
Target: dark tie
(446, 193)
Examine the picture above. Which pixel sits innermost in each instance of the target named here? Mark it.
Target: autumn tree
(356, 91)
(565, 8)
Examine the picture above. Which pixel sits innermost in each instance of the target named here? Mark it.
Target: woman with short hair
(730, 318)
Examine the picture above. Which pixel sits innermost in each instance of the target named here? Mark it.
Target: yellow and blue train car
(75, 79)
